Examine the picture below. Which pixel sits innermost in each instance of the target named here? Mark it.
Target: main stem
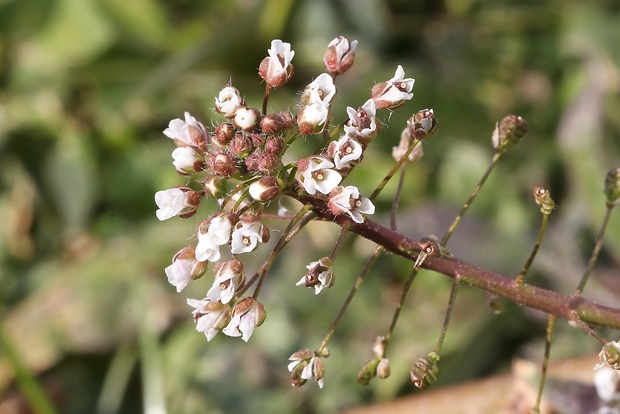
(562, 306)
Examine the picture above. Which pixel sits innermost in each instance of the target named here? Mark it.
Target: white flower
(229, 278)
(304, 366)
(322, 90)
(276, 69)
(315, 174)
(219, 229)
(347, 200)
(206, 249)
(187, 133)
(606, 381)
(210, 317)
(184, 268)
(246, 316)
(187, 160)
(172, 202)
(246, 118)
(394, 92)
(228, 101)
(363, 122)
(320, 275)
(312, 118)
(246, 236)
(344, 151)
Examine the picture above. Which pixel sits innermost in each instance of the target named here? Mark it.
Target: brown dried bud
(612, 186)
(423, 124)
(543, 199)
(423, 372)
(610, 356)
(508, 132)
(340, 55)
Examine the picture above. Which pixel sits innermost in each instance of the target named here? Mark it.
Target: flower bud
(223, 133)
(423, 124)
(241, 145)
(252, 162)
(378, 347)
(215, 186)
(423, 372)
(228, 101)
(368, 371)
(276, 69)
(508, 132)
(222, 165)
(269, 163)
(340, 55)
(188, 160)
(543, 199)
(246, 118)
(612, 186)
(274, 145)
(312, 118)
(383, 369)
(265, 189)
(275, 123)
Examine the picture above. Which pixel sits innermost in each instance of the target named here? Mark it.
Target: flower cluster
(239, 163)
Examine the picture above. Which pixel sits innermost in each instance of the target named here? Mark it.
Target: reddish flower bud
(423, 124)
(276, 123)
(277, 69)
(340, 55)
(241, 145)
(274, 145)
(269, 163)
(223, 134)
(222, 165)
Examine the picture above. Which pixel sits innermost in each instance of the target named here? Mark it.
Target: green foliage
(87, 86)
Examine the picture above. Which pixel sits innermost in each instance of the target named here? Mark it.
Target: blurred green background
(86, 89)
